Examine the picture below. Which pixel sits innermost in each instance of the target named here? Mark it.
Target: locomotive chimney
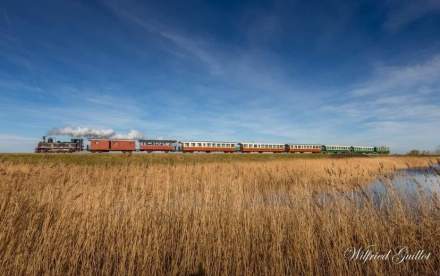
(44, 139)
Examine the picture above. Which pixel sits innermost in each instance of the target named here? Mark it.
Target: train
(52, 146)
(101, 145)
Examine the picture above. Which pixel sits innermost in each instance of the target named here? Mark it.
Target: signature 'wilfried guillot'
(398, 255)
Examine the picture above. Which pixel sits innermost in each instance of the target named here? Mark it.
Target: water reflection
(410, 187)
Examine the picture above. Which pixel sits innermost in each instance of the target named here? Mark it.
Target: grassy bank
(170, 158)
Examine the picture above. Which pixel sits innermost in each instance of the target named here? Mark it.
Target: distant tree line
(424, 152)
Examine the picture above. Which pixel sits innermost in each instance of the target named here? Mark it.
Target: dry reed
(249, 217)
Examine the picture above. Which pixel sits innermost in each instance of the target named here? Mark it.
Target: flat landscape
(207, 214)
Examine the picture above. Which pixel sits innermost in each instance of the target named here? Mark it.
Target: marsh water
(410, 186)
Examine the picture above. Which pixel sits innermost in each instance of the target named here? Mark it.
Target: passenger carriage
(157, 145)
(262, 147)
(303, 148)
(382, 150)
(208, 146)
(336, 149)
(363, 149)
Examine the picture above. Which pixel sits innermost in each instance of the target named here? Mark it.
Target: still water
(409, 186)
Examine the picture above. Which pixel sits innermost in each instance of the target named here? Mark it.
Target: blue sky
(346, 72)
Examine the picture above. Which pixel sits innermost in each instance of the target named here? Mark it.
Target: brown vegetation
(247, 217)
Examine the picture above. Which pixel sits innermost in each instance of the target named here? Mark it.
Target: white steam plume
(132, 134)
(95, 133)
(83, 132)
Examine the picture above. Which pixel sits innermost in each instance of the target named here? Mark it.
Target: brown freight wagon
(122, 145)
(99, 145)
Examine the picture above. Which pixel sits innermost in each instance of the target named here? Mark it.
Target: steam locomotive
(142, 145)
(51, 145)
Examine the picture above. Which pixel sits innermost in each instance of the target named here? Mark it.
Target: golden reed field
(205, 214)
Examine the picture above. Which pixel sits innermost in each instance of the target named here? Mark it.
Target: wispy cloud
(394, 79)
(405, 12)
(397, 105)
(248, 69)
